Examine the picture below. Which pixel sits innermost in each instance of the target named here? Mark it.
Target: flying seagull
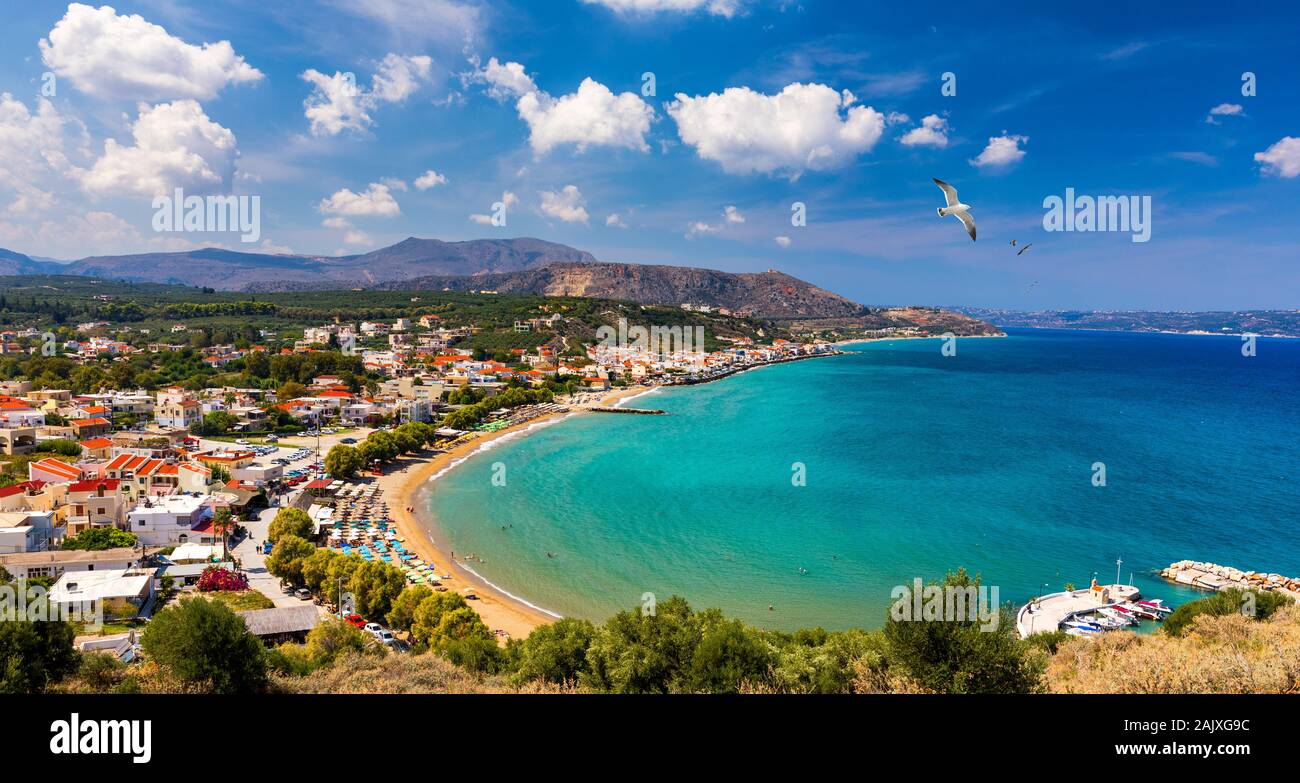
(956, 208)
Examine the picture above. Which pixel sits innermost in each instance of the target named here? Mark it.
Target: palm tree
(223, 522)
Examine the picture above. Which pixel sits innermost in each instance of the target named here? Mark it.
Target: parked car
(302, 594)
(356, 620)
(386, 638)
(347, 440)
(373, 628)
(266, 547)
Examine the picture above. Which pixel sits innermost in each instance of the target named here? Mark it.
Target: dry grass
(1227, 654)
(393, 673)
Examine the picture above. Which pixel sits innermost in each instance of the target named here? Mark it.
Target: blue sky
(758, 104)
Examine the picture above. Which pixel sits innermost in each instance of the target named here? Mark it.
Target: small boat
(1119, 617)
(1156, 605)
(1142, 611)
(1107, 623)
(1081, 626)
(1079, 632)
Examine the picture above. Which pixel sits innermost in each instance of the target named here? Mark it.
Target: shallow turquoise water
(915, 463)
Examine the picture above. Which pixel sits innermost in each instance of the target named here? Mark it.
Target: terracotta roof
(141, 466)
(95, 422)
(57, 467)
(21, 487)
(96, 443)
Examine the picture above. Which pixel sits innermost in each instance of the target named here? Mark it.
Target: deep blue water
(916, 464)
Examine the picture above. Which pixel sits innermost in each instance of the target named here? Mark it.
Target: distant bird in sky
(956, 208)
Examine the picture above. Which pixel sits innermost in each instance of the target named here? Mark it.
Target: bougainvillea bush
(214, 579)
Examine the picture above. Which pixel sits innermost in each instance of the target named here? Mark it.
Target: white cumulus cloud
(337, 103)
(591, 116)
(176, 145)
(429, 179)
(1282, 159)
(505, 80)
(398, 78)
(932, 132)
(1224, 110)
(699, 228)
(375, 200)
(118, 56)
(723, 8)
(803, 127)
(1001, 151)
(31, 142)
(567, 204)
(733, 215)
(783, 241)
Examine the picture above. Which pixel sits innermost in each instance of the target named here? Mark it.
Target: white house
(134, 586)
(32, 565)
(26, 531)
(258, 473)
(168, 520)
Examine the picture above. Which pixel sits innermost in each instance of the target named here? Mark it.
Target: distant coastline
(1261, 323)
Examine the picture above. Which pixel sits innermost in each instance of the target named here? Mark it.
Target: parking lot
(298, 456)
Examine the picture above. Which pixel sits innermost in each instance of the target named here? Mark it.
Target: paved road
(254, 562)
(248, 551)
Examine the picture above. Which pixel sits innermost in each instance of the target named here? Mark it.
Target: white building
(168, 520)
(26, 531)
(134, 586)
(33, 565)
(258, 473)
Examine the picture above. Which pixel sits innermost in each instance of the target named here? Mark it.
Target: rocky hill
(768, 294)
(522, 265)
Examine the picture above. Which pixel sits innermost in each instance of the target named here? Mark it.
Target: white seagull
(956, 208)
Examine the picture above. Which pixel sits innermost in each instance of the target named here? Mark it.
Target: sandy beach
(402, 483)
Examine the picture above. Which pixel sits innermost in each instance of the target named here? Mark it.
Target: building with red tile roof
(54, 470)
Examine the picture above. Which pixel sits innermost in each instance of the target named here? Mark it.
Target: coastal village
(125, 499)
(193, 478)
(273, 462)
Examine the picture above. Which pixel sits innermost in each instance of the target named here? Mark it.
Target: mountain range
(520, 265)
(234, 271)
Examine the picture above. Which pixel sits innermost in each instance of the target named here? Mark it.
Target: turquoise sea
(916, 464)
